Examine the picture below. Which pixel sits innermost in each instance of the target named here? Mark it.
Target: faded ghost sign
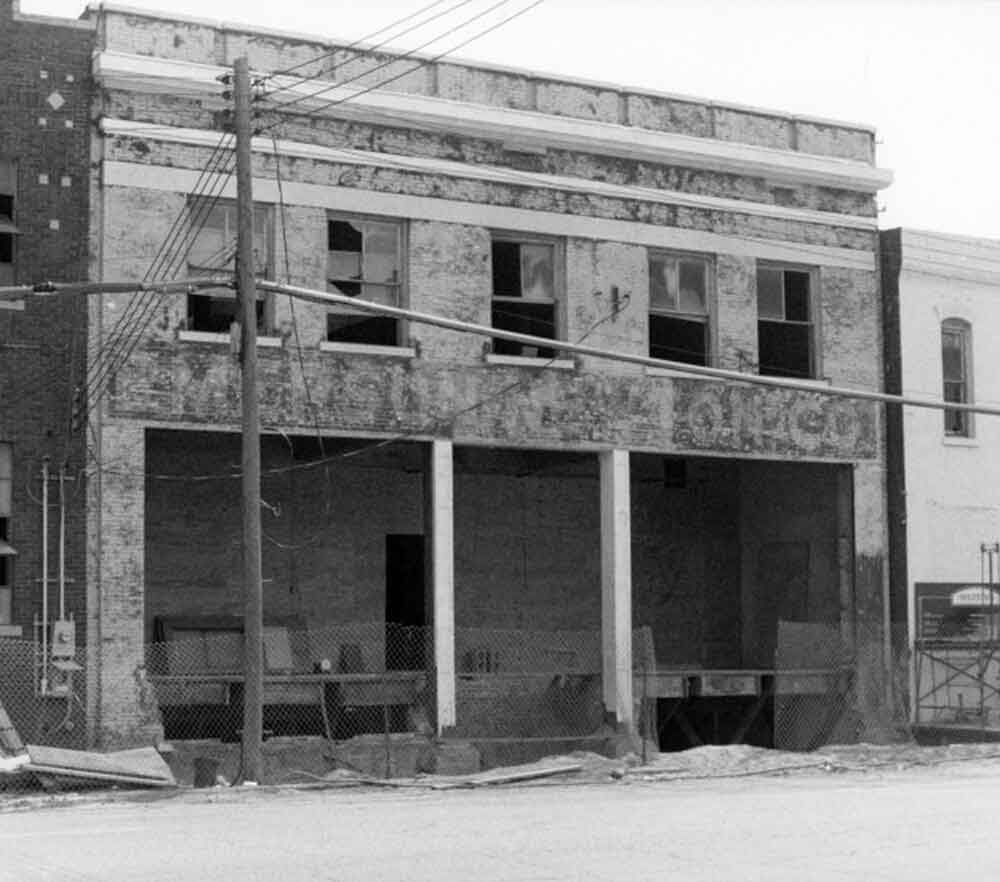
(759, 420)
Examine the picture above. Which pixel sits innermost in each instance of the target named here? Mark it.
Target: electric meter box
(63, 639)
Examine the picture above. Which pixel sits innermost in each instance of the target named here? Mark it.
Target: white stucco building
(942, 301)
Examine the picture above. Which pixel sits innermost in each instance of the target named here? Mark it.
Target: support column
(871, 593)
(440, 526)
(126, 709)
(616, 586)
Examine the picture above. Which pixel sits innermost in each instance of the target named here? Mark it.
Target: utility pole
(253, 598)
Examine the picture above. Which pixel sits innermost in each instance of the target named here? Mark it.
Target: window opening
(364, 260)
(7, 551)
(8, 188)
(956, 375)
(524, 296)
(678, 308)
(784, 322)
(213, 252)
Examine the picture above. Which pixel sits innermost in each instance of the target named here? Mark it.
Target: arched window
(956, 364)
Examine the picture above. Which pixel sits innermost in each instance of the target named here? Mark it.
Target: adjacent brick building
(45, 92)
(492, 492)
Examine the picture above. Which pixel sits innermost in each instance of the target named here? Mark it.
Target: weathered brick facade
(457, 154)
(45, 90)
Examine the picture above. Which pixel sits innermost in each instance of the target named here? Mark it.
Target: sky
(924, 73)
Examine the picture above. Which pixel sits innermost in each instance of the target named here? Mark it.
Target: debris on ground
(55, 768)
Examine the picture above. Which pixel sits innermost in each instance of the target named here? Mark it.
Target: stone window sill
(559, 364)
(959, 441)
(224, 339)
(367, 349)
(11, 631)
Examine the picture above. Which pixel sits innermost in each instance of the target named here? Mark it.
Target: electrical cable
(423, 63)
(371, 49)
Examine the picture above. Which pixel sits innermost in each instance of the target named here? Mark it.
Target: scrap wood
(510, 775)
(143, 766)
(10, 741)
(51, 775)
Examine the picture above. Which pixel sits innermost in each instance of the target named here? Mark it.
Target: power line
(420, 64)
(377, 46)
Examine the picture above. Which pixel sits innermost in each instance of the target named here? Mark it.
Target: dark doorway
(405, 602)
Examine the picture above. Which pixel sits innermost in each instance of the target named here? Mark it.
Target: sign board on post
(958, 612)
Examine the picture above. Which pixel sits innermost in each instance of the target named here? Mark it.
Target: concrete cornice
(526, 128)
(95, 9)
(492, 174)
(949, 256)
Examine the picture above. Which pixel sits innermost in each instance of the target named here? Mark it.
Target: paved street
(923, 824)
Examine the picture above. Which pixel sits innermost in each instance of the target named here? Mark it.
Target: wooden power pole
(252, 585)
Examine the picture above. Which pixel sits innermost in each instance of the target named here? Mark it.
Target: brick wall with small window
(46, 89)
(525, 279)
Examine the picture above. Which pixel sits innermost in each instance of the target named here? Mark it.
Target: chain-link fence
(374, 684)
(528, 684)
(335, 682)
(40, 705)
(826, 686)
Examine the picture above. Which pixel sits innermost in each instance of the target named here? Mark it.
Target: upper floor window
(524, 293)
(8, 191)
(364, 259)
(6, 550)
(213, 252)
(956, 364)
(679, 327)
(785, 325)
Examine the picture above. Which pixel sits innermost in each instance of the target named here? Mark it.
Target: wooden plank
(654, 684)
(50, 776)
(143, 763)
(10, 741)
(724, 683)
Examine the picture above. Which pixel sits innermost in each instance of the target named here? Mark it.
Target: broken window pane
(381, 262)
(536, 272)
(678, 339)
(524, 295)
(770, 294)
(213, 252)
(678, 306)
(343, 236)
(506, 258)
(662, 290)
(692, 287)
(796, 296)
(364, 261)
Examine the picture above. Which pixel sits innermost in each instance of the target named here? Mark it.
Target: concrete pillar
(126, 709)
(871, 593)
(616, 586)
(845, 554)
(440, 527)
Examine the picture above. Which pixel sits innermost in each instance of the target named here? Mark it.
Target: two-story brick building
(45, 98)
(497, 494)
